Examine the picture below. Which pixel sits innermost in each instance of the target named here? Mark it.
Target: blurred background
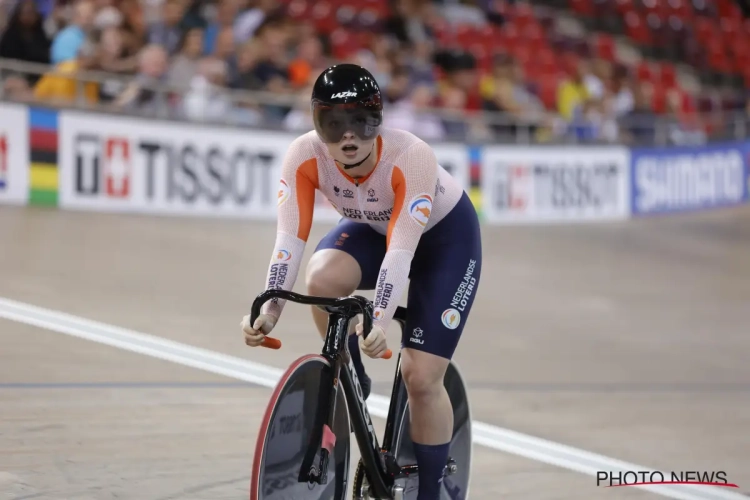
(638, 72)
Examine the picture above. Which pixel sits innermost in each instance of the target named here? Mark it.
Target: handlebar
(348, 306)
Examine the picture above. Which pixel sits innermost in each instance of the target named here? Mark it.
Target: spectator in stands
(107, 16)
(67, 43)
(206, 100)
(61, 85)
(249, 21)
(223, 47)
(112, 59)
(681, 128)
(299, 119)
(308, 63)
(226, 12)
(419, 62)
(248, 58)
(192, 16)
(504, 90)
(454, 102)
(378, 59)
(622, 93)
(167, 32)
(408, 23)
(272, 67)
(138, 96)
(25, 39)
(572, 92)
(637, 126)
(398, 86)
(184, 65)
(414, 115)
(135, 27)
(16, 88)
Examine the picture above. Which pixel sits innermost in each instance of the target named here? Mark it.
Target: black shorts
(444, 275)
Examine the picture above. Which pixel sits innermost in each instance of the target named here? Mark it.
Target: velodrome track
(625, 340)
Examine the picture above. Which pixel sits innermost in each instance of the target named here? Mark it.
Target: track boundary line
(484, 434)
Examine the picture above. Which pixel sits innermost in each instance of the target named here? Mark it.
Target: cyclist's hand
(256, 333)
(374, 345)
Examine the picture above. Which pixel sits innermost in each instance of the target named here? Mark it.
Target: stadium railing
(481, 126)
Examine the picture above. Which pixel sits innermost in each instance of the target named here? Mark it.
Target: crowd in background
(209, 47)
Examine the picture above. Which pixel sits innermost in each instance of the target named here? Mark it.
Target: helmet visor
(333, 121)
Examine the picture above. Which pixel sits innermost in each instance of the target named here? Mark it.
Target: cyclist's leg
(346, 259)
(444, 281)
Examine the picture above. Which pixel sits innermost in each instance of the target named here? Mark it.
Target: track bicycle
(303, 446)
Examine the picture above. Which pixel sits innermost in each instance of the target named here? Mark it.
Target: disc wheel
(455, 485)
(287, 427)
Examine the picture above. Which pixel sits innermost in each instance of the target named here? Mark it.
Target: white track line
(237, 368)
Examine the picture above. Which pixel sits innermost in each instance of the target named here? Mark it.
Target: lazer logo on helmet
(343, 94)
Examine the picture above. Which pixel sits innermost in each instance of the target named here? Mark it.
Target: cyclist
(405, 221)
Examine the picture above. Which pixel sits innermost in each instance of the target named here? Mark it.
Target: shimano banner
(554, 184)
(689, 178)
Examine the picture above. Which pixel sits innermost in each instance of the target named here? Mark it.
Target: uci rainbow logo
(420, 208)
(451, 318)
(283, 255)
(283, 193)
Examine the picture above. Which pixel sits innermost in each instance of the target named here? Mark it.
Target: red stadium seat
(667, 75)
(645, 72)
(636, 28)
(605, 47)
(583, 7)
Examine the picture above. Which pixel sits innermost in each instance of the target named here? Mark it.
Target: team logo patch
(283, 255)
(420, 208)
(451, 318)
(283, 192)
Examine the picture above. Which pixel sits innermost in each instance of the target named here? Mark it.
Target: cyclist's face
(350, 134)
(351, 149)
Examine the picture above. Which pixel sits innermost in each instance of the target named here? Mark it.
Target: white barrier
(129, 165)
(14, 154)
(555, 184)
(111, 163)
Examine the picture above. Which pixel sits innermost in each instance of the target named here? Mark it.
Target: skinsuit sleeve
(296, 201)
(413, 181)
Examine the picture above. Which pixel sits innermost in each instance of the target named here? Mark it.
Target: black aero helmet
(346, 97)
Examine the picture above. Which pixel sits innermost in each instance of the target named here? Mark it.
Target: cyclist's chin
(350, 152)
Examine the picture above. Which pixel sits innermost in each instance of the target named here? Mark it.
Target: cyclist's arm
(296, 201)
(413, 182)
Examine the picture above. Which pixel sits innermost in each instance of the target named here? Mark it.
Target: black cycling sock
(359, 367)
(431, 460)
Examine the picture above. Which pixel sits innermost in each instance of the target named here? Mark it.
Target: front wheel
(287, 427)
(456, 483)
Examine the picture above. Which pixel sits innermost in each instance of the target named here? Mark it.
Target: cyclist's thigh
(363, 243)
(444, 282)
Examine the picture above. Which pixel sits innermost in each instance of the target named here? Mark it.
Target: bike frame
(379, 462)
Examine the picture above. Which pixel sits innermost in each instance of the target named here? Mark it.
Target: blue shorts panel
(444, 275)
(362, 242)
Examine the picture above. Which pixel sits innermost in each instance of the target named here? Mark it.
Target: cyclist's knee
(332, 273)
(423, 373)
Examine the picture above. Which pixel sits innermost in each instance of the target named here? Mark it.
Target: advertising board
(14, 154)
(683, 179)
(554, 184)
(130, 165)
